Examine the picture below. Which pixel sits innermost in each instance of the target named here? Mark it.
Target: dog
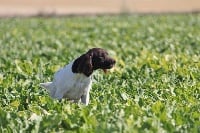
(74, 81)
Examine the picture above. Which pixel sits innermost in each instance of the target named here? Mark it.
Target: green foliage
(155, 86)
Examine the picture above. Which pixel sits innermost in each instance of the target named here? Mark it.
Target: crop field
(154, 87)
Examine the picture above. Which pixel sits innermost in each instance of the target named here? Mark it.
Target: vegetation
(155, 86)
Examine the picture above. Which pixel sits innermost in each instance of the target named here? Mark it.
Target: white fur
(69, 85)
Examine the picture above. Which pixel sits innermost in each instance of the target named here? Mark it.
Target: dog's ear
(83, 64)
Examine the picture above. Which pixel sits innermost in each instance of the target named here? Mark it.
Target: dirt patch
(65, 7)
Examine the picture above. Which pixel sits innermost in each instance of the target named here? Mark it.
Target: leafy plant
(155, 86)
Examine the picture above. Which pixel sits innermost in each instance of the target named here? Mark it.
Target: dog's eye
(101, 59)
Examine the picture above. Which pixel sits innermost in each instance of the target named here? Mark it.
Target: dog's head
(94, 59)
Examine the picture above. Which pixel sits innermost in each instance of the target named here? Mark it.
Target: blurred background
(10, 8)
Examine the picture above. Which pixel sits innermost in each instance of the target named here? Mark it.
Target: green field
(155, 86)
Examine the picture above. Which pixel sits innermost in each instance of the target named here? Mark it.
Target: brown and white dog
(74, 82)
